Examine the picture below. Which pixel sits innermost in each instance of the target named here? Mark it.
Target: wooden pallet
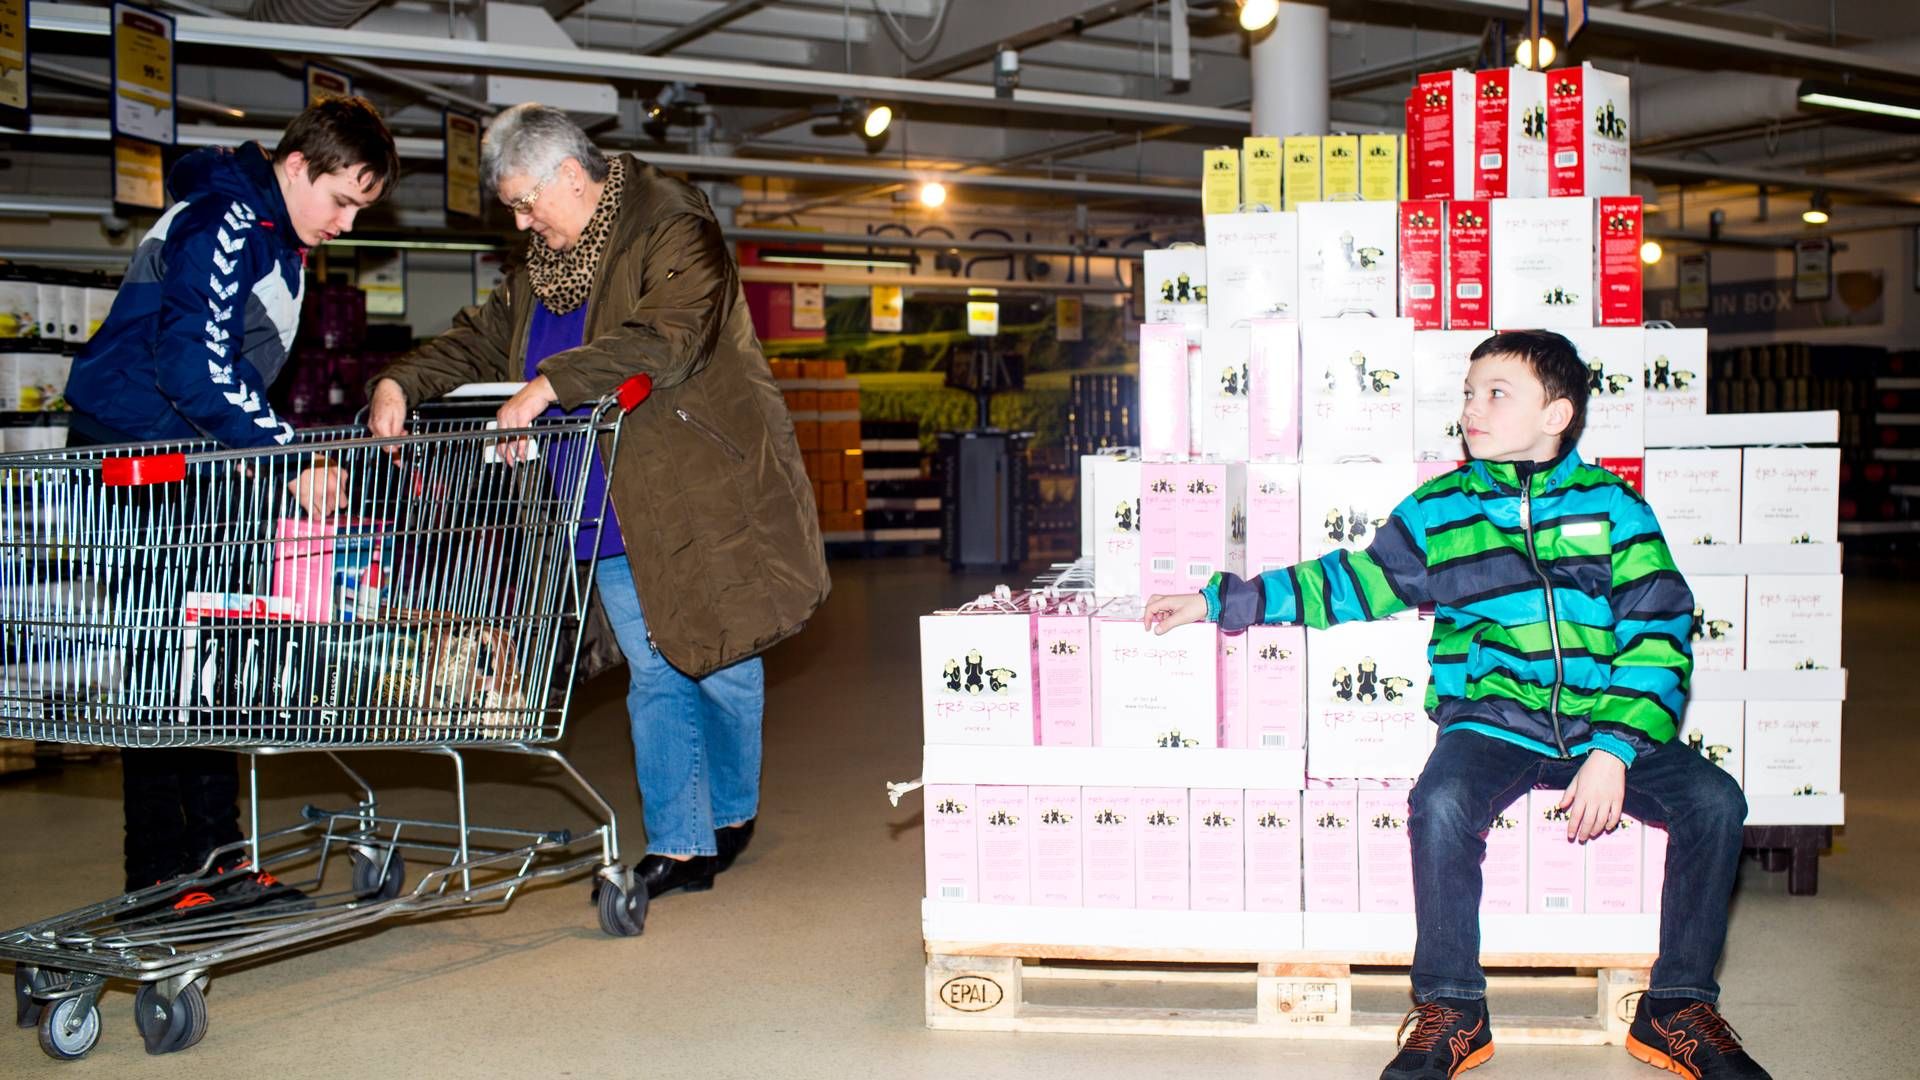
(1296, 996)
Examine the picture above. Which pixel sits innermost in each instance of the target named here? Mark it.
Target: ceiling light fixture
(878, 119)
(1257, 15)
(933, 194)
(1856, 99)
(836, 258)
(1528, 51)
(1650, 252)
(1817, 209)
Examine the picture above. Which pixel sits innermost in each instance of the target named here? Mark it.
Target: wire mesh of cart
(423, 593)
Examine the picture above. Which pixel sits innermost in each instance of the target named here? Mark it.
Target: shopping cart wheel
(26, 1011)
(367, 882)
(622, 914)
(70, 1028)
(170, 1027)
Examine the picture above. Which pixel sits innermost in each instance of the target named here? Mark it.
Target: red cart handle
(140, 471)
(634, 391)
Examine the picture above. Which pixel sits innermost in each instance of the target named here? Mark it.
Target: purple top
(549, 334)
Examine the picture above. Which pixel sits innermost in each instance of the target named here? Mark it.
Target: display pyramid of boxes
(825, 405)
(1299, 375)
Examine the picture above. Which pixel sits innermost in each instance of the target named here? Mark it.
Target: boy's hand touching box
(1164, 613)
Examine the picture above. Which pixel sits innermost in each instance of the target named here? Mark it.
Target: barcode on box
(1273, 740)
(1491, 161)
(1163, 566)
(1268, 568)
(1559, 903)
(1467, 290)
(1199, 570)
(1566, 159)
(953, 892)
(1422, 291)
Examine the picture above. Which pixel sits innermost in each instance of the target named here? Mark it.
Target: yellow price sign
(13, 63)
(143, 98)
(889, 308)
(139, 175)
(462, 135)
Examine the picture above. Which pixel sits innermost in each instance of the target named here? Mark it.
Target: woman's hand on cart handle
(519, 412)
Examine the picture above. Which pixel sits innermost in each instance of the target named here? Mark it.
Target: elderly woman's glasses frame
(524, 204)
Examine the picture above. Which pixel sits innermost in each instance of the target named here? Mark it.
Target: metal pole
(1289, 68)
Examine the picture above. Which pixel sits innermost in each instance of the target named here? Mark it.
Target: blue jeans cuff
(1458, 993)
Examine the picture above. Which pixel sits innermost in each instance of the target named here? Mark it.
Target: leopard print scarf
(562, 279)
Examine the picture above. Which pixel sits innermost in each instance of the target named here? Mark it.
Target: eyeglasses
(524, 204)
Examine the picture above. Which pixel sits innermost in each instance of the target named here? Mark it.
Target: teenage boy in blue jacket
(201, 327)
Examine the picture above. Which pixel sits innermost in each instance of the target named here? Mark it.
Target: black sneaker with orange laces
(244, 888)
(1450, 1036)
(1690, 1038)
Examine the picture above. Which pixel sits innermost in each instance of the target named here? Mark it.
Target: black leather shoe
(733, 840)
(663, 875)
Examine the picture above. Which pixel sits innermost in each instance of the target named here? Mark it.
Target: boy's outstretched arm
(1340, 586)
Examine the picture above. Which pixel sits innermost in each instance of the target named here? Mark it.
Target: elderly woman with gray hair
(713, 552)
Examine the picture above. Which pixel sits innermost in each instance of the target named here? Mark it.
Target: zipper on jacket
(1553, 615)
(710, 433)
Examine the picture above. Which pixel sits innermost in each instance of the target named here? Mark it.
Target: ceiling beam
(1706, 170)
(1028, 38)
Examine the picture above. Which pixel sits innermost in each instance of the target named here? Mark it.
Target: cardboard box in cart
(1359, 389)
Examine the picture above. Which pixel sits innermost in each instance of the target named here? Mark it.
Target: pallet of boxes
(825, 404)
(1096, 793)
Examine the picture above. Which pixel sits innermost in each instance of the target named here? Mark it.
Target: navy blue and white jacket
(205, 319)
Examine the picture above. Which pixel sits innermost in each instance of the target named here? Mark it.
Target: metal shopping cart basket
(417, 594)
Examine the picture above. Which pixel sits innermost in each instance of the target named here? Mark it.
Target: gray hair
(531, 140)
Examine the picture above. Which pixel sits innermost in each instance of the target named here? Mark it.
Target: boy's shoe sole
(1476, 1059)
(1644, 1053)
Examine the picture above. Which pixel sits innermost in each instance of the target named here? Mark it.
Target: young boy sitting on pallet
(1560, 659)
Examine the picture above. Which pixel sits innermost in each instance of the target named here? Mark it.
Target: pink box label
(1233, 692)
(1273, 517)
(953, 847)
(1160, 848)
(1613, 870)
(1386, 855)
(1503, 873)
(1330, 850)
(1273, 851)
(1556, 866)
(1469, 265)
(1653, 868)
(1107, 837)
(1165, 426)
(1056, 846)
(1276, 687)
(1005, 845)
(1273, 401)
(1160, 524)
(1063, 662)
(1423, 263)
(1219, 844)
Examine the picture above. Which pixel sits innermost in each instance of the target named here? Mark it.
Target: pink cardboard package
(1273, 851)
(953, 848)
(1386, 855)
(1106, 836)
(1556, 866)
(1160, 529)
(1006, 834)
(1330, 850)
(1273, 517)
(1219, 844)
(1503, 872)
(1161, 850)
(1273, 401)
(1165, 426)
(1063, 664)
(1614, 864)
(1276, 687)
(1056, 848)
(1212, 523)
(1653, 868)
(1233, 692)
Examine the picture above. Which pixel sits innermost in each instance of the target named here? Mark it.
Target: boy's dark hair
(343, 133)
(1555, 362)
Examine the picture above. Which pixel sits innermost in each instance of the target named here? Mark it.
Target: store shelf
(876, 475)
(890, 536)
(1893, 454)
(881, 502)
(1796, 809)
(1729, 560)
(1889, 383)
(1744, 429)
(1770, 685)
(1112, 766)
(897, 446)
(1879, 528)
(1896, 419)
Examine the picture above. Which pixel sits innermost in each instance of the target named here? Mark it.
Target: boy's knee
(1723, 805)
(1444, 805)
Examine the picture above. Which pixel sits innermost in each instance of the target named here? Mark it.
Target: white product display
(1440, 362)
(1543, 264)
(1695, 494)
(1155, 690)
(1790, 495)
(1793, 748)
(1616, 413)
(1116, 517)
(1176, 280)
(1588, 132)
(1342, 506)
(1366, 693)
(1166, 420)
(1676, 371)
(1253, 268)
(1793, 622)
(1719, 623)
(1223, 385)
(1359, 389)
(1716, 730)
(1349, 259)
(976, 678)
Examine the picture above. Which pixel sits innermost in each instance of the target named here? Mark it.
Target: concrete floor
(805, 961)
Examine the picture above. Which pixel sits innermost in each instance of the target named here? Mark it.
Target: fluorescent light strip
(1879, 108)
(827, 258)
(416, 245)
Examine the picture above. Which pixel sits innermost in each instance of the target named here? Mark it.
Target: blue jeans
(696, 742)
(1471, 777)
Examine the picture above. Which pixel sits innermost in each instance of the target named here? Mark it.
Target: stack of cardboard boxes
(825, 404)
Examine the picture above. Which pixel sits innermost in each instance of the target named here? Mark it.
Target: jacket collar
(256, 163)
(1538, 477)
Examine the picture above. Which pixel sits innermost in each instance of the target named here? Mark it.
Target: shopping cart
(342, 593)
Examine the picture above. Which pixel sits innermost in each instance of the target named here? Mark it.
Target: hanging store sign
(16, 98)
(1812, 269)
(383, 277)
(143, 90)
(462, 133)
(889, 308)
(1069, 319)
(809, 307)
(1696, 279)
(983, 318)
(324, 83)
(139, 175)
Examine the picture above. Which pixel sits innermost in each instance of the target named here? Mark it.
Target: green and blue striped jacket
(1560, 622)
